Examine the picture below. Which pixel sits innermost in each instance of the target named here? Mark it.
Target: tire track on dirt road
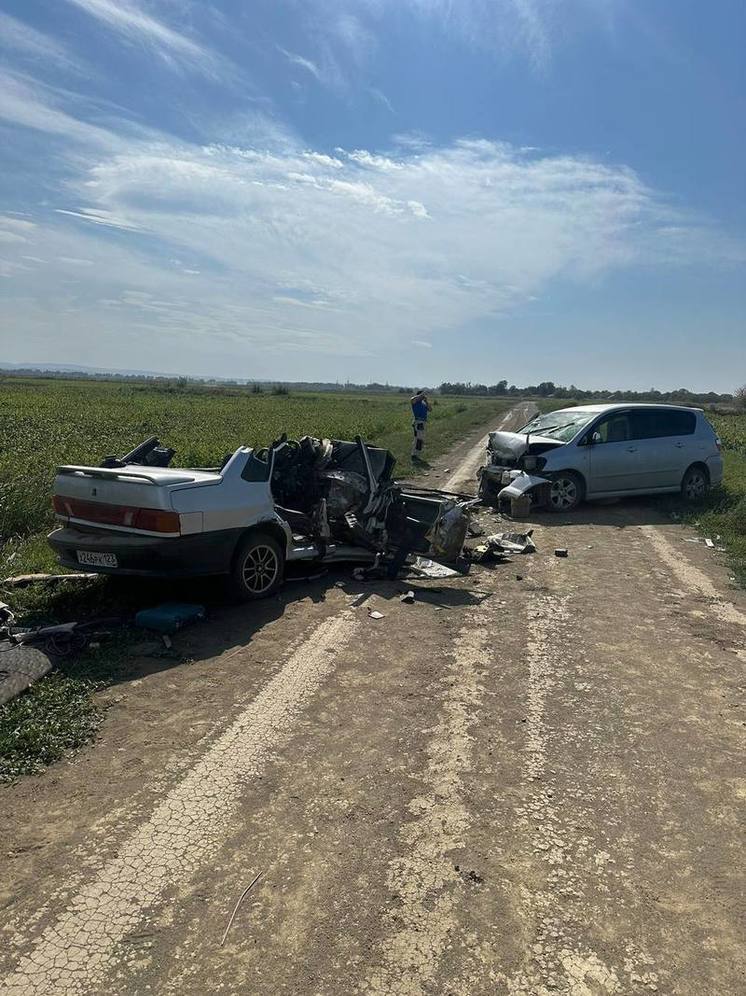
(693, 578)
(74, 953)
(428, 886)
(430, 889)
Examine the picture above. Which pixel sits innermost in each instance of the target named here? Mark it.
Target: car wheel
(695, 484)
(258, 567)
(567, 491)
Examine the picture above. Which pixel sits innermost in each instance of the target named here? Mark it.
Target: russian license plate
(97, 559)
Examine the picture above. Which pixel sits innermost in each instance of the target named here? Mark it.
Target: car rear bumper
(148, 556)
(715, 470)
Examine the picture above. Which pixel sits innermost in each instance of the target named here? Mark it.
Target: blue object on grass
(169, 617)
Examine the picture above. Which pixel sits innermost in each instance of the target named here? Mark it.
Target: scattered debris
(708, 542)
(475, 530)
(430, 569)
(407, 598)
(241, 898)
(169, 617)
(375, 614)
(23, 580)
(519, 577)
(561, 551)
(20, 667)
(520, 506)
(515, 542)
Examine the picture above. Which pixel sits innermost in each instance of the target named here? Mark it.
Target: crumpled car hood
(513, 444)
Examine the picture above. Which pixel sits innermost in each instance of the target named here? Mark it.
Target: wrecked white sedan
(317, 500)
(602, 451)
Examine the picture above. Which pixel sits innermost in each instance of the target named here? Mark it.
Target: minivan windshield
(562, 425)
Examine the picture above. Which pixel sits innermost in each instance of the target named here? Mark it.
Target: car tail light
(156, 521)
(153, 520)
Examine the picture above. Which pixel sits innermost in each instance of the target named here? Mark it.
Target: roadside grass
(53, 422)
(722, 516)
(60, 713)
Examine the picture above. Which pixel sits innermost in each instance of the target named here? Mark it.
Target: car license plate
(97, 559)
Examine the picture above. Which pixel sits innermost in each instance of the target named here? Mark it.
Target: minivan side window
(614, 428)
(654, 424)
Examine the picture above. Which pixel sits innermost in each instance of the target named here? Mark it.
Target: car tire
(567, 491)
(695, 484)
(258, 567)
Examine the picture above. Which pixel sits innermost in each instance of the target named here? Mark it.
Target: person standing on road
(420, 408)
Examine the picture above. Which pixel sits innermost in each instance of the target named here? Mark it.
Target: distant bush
(280, 389)
(257, 389)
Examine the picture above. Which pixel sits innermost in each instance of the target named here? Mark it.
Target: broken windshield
(562, 426)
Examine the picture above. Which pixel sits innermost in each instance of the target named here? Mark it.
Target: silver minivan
(604, 451)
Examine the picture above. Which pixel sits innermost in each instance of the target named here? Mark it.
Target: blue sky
(394, 190)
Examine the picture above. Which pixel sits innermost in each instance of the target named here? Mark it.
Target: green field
(49, 422)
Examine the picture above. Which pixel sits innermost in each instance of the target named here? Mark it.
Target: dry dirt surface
(529, 781)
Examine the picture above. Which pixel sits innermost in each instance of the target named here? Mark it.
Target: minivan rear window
(653, 424)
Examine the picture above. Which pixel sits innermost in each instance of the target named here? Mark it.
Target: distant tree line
(548, 389)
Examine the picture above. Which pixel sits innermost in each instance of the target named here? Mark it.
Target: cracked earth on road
(511, 787)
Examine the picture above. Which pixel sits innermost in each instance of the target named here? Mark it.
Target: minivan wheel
(695, 484)
(258, 567)
(567, 491)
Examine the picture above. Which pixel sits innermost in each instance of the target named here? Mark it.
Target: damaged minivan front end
(514, 464)
(523, 464)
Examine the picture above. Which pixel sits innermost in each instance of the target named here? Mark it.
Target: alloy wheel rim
(695, 486)
(260, 569)
(564, 492)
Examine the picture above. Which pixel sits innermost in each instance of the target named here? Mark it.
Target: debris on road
(23, 580)
(407, 597)
(515, 542)
(561, 552)
(375, 614)
(169, 617)
(20, 667)
(241, 898)
(708, 542)
(430, 569)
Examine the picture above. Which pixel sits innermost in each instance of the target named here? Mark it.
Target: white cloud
(381, 97)
(299, 60)
(295, 251)
(24, 102)
(130, 21)
(19, 37)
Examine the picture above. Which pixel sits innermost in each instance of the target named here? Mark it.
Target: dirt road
(528, 782)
